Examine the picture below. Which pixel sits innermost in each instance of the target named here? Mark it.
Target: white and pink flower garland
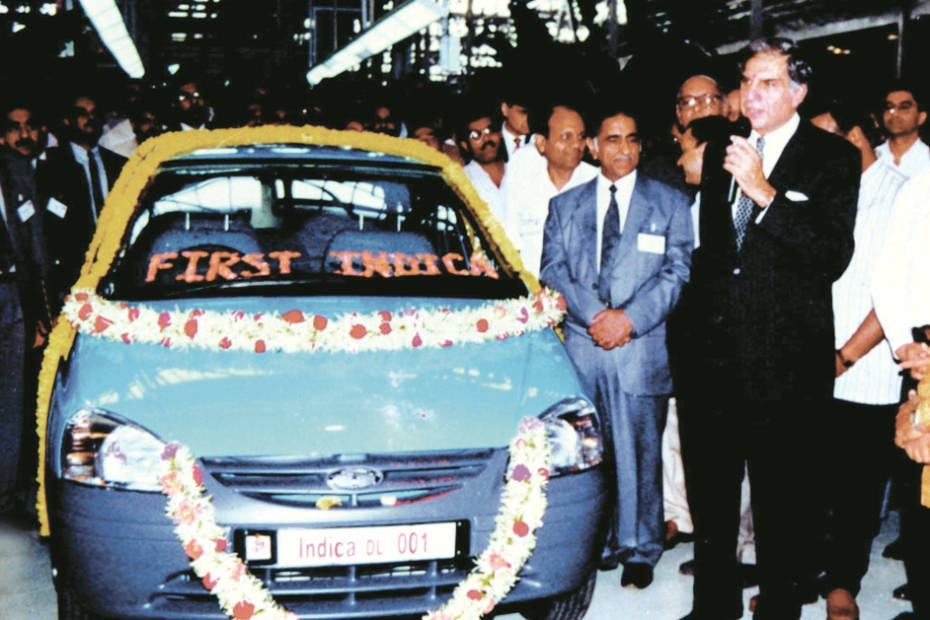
(297, 331)
(242, 596)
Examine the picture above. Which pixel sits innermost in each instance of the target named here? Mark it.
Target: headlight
(575, 441)
(101, 449)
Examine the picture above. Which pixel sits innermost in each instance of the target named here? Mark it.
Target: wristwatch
(845, 362)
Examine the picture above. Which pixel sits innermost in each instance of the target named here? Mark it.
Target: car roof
(290, 153)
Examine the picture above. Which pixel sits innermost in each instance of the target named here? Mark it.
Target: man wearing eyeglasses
(480, 140)
(189, 108)
(902, 116)
(698, 97)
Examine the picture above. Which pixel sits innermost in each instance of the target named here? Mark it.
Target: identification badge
(57, 207)
(26, 210)
(654, 244)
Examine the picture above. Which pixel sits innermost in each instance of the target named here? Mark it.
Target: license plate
(297, 547)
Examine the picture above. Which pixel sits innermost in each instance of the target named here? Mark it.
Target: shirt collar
(80, 153)
(776, 140)
(624, 184)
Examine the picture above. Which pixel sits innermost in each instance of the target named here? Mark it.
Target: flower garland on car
(243, 596)
(136, 175)
(294, 331)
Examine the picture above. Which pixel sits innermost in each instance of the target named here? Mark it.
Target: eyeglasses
(189, 96)
(903, 106)
(686, 103)
(477, 134)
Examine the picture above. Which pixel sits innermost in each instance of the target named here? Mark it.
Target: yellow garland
(120, 206)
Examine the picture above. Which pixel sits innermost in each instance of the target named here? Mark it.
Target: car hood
(223, 403)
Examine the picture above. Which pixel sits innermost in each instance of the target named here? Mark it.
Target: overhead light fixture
(108, 22)
(408, 19)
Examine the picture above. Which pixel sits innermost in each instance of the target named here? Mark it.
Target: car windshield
(304, 227)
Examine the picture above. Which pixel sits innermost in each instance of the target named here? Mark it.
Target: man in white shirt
(902, 302)
(867, 387)
(481, 142)
(776, 225)
(902, 117)
(536, 175)
(618, 248)
(73, 181)
(515, 130)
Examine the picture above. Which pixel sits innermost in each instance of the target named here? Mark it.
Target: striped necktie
(745, 207)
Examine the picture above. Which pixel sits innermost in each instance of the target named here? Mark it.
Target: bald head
(698, 97)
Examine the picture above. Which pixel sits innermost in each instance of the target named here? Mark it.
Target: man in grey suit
(618, 248)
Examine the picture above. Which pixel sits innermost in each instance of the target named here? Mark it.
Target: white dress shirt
(775, 142)
(489, 192)
(624, 194)
(81, 156)
(527, 191)
(914, 161)
(119, 138)
(874, 379)
(510, 141)
(900, 292)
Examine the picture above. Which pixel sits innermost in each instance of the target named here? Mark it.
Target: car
(335, 330)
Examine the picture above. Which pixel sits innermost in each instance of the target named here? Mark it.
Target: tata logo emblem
(354, 478)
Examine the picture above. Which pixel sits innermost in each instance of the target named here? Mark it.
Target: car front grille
(302, 481)
(361, 591)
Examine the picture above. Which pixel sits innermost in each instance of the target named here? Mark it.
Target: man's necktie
(517, 142)
(610, 241)
(745, 207)
(95, 188)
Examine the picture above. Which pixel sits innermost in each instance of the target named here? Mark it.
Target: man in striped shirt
(867, 388)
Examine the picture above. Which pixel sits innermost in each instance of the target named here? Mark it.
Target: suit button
(736, 271)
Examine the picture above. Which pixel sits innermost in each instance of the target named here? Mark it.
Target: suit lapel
(636, 214)
(791, 158)
(584, 232)
(623, 269)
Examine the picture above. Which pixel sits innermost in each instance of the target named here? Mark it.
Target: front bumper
(116, 550)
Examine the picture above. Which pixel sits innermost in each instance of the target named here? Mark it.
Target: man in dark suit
(775, 232)
(73, 182)
(618, 248)
(24, 321)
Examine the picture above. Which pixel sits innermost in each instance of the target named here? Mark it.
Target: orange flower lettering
(430, 261)
(448, 263)
(346, 267)
(159, 261)
(257, 261)
(190, 273)
(220, 263)
(284, 260)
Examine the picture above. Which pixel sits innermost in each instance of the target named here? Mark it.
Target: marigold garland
(923, 413)
(297, 331)
(242, 596)
(138, 172)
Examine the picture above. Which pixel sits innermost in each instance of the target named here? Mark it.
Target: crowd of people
(760, 267)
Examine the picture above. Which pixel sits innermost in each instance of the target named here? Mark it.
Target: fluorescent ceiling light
(406, 20)
(108, 22)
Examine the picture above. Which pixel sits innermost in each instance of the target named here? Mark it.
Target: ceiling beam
(814, 31)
